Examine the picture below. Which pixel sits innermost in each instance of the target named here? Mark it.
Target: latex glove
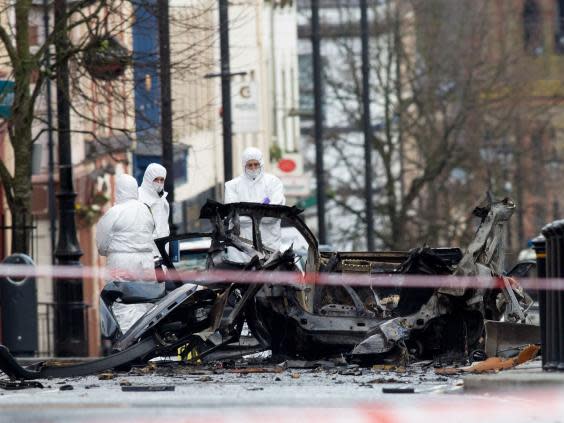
(266, 200)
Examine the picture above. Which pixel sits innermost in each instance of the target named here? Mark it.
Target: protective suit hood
(252, 153)
(149, 194)
(126, 189)
(154, 170)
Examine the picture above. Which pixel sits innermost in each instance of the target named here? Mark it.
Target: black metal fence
(46, 329)
(47, 315)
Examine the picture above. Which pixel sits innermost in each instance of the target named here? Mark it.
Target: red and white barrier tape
(15, 272)
(518, 407)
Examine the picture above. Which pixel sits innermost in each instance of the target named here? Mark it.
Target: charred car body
(366, 323)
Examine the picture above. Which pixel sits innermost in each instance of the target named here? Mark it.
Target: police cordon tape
(527, 406)
(16, 271)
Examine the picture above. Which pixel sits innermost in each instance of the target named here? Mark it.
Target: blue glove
(266, 200)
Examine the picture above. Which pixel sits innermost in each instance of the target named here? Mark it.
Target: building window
(180, 163)
(306, 85)
(532, 28)
(559, 27)
(305, 81)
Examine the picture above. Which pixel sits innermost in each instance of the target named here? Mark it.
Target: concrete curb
(529, 375)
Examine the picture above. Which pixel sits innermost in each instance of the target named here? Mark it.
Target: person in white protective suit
(255, 186)
(125, 236)
(152, 193)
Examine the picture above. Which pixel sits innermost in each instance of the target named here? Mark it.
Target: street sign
(296, 186)
(245, 100)
(307, 202)
(290, 164)
(6, 98)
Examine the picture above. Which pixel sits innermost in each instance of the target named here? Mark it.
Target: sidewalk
(525, 376)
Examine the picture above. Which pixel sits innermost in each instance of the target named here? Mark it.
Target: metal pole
(70, 325)
(318, 117)
(225, 90)
(539, 244)
(166, 104)
(50, 145)
(368, 192)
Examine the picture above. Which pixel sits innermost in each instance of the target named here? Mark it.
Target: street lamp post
(368, 174)
(70, 339)
(225, 89)
(51, 180)
(318, 134)
(166, 105)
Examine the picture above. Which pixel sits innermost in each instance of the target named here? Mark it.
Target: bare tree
(102, 88)
(444, 95)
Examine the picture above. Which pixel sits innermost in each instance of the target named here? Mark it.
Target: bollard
(559, 295)
(18, 299)
(554, 298)
(539, 245)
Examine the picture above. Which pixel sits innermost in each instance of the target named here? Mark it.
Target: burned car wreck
(364, 323)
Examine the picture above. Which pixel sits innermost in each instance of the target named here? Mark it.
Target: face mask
(253, 174)
(158, 187)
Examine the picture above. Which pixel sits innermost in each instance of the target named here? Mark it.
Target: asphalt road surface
(271, 394)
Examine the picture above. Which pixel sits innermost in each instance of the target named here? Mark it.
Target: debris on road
(249, 370)
(106, 376)
(398, 390)
(504, 336)
(494, 364)
(19, 384)
(147, 388)
(389, 368)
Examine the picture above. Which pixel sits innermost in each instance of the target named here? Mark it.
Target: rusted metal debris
(505, 336)
(253, 370)
(494, 364)
(366, 325)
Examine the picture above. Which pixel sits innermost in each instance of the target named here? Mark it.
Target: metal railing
(47, 312)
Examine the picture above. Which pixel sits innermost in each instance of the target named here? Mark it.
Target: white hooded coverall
(125, 236)
(153, 194)
(261, 188)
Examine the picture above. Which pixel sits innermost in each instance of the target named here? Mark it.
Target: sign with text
(296, 186)
(245, 101)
